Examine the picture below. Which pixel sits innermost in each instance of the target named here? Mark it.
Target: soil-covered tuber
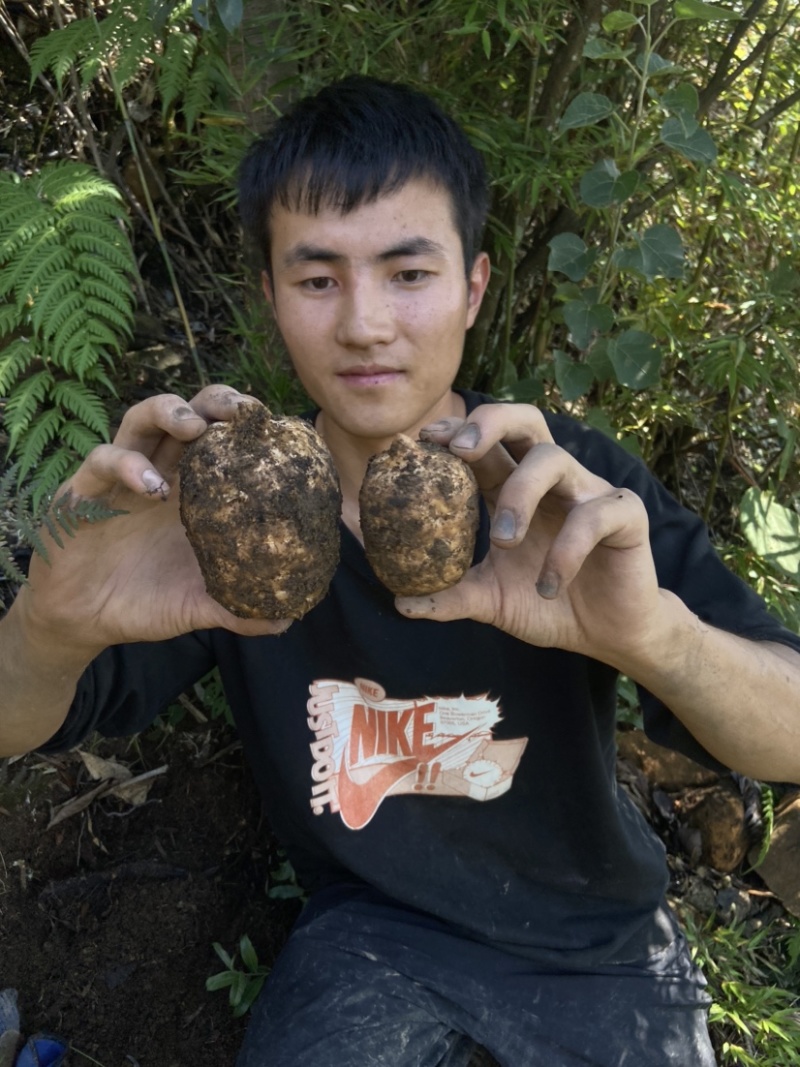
(419, 517)
(260, 503)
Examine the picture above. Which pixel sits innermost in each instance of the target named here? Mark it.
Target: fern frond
(81, 401)
(117, 256)
(15, 360)
(103, 310)
(117, 296)
(54, 307)
(10, 320)
(35, 268)
(37, 437)
(61, 49)
(31, 219)
(8, 566)
(70, 512)
(81, 439)
(81, 356)
(51, 472)
(135, 43)
(174, 66)
(199, 89)
(22, 404)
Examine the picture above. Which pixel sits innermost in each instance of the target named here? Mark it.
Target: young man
(440, 769)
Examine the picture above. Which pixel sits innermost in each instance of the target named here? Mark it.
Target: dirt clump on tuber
(260, 502)
(419, 517)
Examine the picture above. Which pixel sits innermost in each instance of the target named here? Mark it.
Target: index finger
(493, 440)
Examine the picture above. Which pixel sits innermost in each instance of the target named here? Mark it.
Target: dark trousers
(363, 982)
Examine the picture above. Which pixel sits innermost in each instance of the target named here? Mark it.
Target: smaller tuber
(419, 517)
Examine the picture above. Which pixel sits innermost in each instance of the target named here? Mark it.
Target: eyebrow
(414, 246)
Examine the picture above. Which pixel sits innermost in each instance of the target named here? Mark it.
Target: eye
(413, 276)
(318, 285)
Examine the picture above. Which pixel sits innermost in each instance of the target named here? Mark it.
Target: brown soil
(107, 919)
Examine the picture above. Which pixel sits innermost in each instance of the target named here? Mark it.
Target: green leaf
(599, 361)
(200, 13)
(230, 13)
(697, 146)
(284, 892)
(223, 955)
(573, 379)
(486, 42)
(603, 185)
(570, 256)
(655, 65)
(682, 98)
(219, 981)
(658, 253)
(587, 109)
(587, 320)
(636, 358)
(619, 20)
(597, 48)
(697, 9)
(248, 953)
(772, 529)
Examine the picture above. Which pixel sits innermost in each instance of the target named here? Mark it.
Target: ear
(478, 280)
(266, 286)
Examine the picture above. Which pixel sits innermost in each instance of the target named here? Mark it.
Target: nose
(366, 317)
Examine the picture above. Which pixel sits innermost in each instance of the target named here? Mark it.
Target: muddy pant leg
(323, 1006)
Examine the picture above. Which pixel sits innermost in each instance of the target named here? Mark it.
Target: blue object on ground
(42, 1050)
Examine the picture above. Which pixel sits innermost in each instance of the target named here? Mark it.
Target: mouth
(370, 374)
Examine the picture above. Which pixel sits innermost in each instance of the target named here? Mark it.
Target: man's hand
(570, 564)
(133, 577)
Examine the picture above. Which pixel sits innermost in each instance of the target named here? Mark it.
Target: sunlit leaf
(697, 9)
(636, 358)
(603, 185)
(772, 529)
(654, 65)
(587, 109)
(597, 48)
(697, 146)
(658, 253)
(619, 20)
(683, 97)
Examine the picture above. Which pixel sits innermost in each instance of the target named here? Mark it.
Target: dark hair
(354, 141)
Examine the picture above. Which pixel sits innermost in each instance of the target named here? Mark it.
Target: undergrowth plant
(754, 980)
(243, 982)
(66, 265)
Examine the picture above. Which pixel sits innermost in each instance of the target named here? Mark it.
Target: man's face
(373, 307)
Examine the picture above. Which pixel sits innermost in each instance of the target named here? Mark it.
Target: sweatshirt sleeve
(127, 686)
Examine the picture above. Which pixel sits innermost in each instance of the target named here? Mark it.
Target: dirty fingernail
(548, 586)
(504, 526)
(185, 412)
(468, 437)
(154, 483)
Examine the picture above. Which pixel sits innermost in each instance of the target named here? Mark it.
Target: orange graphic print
(367, 746)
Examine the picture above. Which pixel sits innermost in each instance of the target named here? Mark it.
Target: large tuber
(260, 502)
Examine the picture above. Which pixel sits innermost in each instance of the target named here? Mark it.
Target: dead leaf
(134, 791)
(77, 804)
(102, 769)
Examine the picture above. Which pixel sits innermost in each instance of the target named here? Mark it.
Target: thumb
(469, 599)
